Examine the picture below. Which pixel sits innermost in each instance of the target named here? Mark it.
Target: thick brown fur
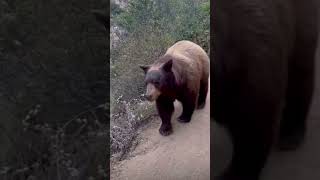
(181, 74)
(263, 77)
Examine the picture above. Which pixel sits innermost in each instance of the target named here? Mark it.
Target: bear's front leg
(251, 146)
(188, 105)
(165, 109)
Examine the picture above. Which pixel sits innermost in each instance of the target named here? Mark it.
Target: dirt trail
(184, 155)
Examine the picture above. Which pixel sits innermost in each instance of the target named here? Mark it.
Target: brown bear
(181, 74)
(263, 77)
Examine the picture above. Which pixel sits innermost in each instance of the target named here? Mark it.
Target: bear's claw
(165, 130)
(183, 119)
(201, 106)
(291, 142)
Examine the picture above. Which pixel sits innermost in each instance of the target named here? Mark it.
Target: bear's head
(159, 79)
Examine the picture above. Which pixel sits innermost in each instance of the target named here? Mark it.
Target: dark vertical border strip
(108, 41)
(108, 85)
(212, 10)
(107, 26)
(103, 17)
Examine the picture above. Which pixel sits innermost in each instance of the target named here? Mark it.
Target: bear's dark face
(160, 80)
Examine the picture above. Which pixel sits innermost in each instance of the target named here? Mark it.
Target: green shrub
(180, 19)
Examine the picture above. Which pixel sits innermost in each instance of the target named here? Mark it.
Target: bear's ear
(167, 66)
(145, 68)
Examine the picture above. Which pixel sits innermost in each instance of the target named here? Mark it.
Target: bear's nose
(148, 97)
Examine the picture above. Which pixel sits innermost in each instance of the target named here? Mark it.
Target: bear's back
(193, 58)
(188, 51)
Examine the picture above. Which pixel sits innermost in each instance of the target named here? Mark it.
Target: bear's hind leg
(298, 100)
(188, 105)
(165, 109)
(202, 94)
(251, 148)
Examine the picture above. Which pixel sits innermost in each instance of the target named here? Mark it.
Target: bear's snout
(152, 92)
(148, 97)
